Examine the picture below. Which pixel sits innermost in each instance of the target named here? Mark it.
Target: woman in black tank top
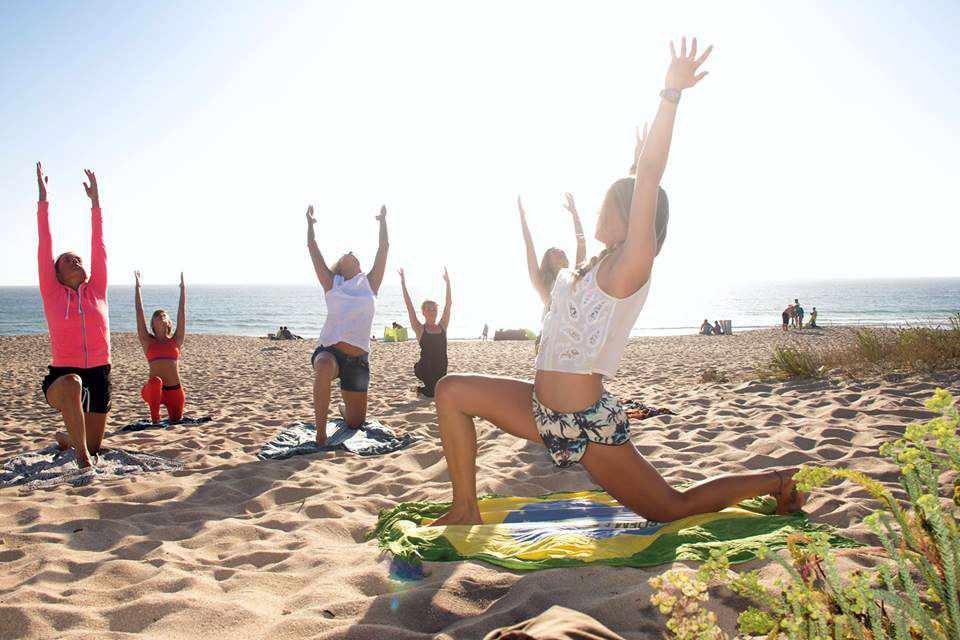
(431, 335)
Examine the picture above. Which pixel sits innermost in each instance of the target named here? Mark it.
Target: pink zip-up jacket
(78, 321)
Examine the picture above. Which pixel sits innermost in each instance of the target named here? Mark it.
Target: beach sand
(230, 547)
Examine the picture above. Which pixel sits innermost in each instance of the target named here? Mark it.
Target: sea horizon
(255, 310)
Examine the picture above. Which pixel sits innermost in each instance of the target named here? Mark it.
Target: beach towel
(51, 466)
(371, 439)
(584, 527)
(144, 423)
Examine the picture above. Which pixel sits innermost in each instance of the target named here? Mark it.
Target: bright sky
(822, 144)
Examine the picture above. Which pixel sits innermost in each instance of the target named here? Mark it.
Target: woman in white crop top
(345, 338)
(584, 333)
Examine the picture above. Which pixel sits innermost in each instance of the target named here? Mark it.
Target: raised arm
(324, 274)
(98, 251)
(571, 206)
(181, 330)
(638, 149)
(448, 302)
(533, 269)
(142, 332)
(46, 268)
(411, 312)
(375, 277)
(634, 261)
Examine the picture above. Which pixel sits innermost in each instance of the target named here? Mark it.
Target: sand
(235, 548)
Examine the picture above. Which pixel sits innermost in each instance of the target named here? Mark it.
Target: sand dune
(235, 548)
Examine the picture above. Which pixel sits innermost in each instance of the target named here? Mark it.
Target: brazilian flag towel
(584, 527)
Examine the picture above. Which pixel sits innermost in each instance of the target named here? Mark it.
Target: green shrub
(914, 593)
(790, 362)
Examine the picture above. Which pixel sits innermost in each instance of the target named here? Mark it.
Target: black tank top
(433, 347)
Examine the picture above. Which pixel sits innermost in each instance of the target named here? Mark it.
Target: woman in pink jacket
(75, 305)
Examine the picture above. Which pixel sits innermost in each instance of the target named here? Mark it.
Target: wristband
(671, 95)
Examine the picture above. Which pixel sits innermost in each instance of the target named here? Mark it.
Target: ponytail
(587, 265)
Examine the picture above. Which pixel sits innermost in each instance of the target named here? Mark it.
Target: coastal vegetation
(913, 593)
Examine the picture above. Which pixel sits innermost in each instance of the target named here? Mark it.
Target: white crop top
(586, 329)
(350, 308)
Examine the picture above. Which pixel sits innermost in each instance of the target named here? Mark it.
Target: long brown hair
(620, 196)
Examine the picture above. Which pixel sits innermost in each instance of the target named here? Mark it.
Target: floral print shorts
(566, 434)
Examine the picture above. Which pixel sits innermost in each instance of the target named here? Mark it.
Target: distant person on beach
(798, 313)
(343, 347)
(585, 331)
(717, 329)
(813, 319)
(78, 380)
(161, 344)
(431, 335)
(706, 328)
(787, 316)
(486, 332)
(544, 274)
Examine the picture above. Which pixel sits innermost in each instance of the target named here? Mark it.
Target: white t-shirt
(350, 308)
(586, 329)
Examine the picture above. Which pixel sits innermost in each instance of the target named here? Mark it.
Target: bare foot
(63, 440)
(789, 500)
(84, 461)
(458, 516)
(321, 437)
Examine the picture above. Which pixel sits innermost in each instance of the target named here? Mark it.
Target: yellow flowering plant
(913, 594)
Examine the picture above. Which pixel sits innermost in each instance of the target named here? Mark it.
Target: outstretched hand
(311, 219)
(136, 278)
(41, 183)
(570, 205)
(682, 73)
(383, 213)
(446, 276)
(92, 192)
(182, 285)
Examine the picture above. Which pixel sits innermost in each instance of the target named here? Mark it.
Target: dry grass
(712, 374)
(874, 350)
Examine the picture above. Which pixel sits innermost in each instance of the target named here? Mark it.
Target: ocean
(255, 310)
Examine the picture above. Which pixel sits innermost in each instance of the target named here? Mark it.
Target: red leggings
(155, 394)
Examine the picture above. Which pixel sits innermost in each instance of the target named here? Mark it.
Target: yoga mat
(51, 466)
(144, 423)
(581, 528)
(371, 439)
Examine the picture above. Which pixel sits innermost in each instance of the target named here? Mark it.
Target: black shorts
(786, 318)
(95, 382)
(354, 371)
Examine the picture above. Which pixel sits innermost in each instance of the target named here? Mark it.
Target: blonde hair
(620, 195)
(157, 314)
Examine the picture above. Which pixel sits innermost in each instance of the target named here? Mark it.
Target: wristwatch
(671, 95)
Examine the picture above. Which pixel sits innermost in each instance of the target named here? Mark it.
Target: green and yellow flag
(584, 527)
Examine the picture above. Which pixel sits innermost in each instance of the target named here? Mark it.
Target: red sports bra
(163, 350)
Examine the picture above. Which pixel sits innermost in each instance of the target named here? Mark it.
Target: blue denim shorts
(354, 371)
(566, 435)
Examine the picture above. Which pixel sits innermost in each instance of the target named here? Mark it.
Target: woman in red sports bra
(162, 345)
